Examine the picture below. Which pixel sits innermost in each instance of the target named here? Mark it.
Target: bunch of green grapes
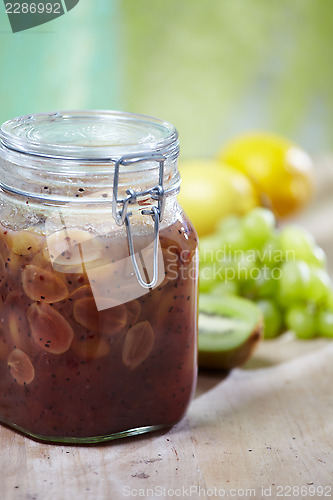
(283, 271)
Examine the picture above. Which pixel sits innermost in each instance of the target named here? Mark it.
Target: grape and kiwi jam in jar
(98, 277)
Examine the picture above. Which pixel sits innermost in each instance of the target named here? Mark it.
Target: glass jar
(98, 277)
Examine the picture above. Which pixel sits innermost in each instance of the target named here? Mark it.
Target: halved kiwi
(229, 329)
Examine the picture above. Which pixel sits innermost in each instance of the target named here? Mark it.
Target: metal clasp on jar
(122, 216)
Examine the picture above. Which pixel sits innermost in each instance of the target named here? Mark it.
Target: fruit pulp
(72, 373)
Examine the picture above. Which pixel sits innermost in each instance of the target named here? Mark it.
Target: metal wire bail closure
(122, 215)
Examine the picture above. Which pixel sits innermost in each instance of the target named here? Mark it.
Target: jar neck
(55, 180)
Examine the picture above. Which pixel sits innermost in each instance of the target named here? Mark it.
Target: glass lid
(89, 135)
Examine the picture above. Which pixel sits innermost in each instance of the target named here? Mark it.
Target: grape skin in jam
(69, 370)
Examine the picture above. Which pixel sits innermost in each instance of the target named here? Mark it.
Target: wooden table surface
(260, 432)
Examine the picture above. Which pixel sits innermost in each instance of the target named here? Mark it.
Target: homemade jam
(86, 352)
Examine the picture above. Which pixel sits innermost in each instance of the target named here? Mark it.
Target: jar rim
(89, 135)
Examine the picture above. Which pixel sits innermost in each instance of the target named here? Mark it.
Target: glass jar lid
(48, 148)
(89, 135)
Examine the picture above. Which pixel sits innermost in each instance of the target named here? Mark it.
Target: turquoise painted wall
(70, 62)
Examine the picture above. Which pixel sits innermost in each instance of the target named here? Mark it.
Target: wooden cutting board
(261, 432)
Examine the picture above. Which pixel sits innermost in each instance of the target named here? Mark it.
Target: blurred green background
(213, 68)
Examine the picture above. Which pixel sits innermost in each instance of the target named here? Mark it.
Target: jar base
(87, 439)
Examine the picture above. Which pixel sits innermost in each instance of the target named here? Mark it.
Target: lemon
(280, 170)
(211, 190)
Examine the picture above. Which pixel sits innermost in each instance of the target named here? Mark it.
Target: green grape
(319, 286)
(261, 285)
(206, 277)
(225, 288)
(234, 266)
(318, 258)
(297, 243)
(209, 248)
(294, 282)
(301, 319)
(329, 300)
(267, 283)
(258, 226)
(227, 223)
(248, 288)
(234, 238)
(325, 323)
(271, 254)
(245, 266)
(212, 274)
(272, 318)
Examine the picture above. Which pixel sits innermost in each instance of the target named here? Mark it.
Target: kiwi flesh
(230, 328)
